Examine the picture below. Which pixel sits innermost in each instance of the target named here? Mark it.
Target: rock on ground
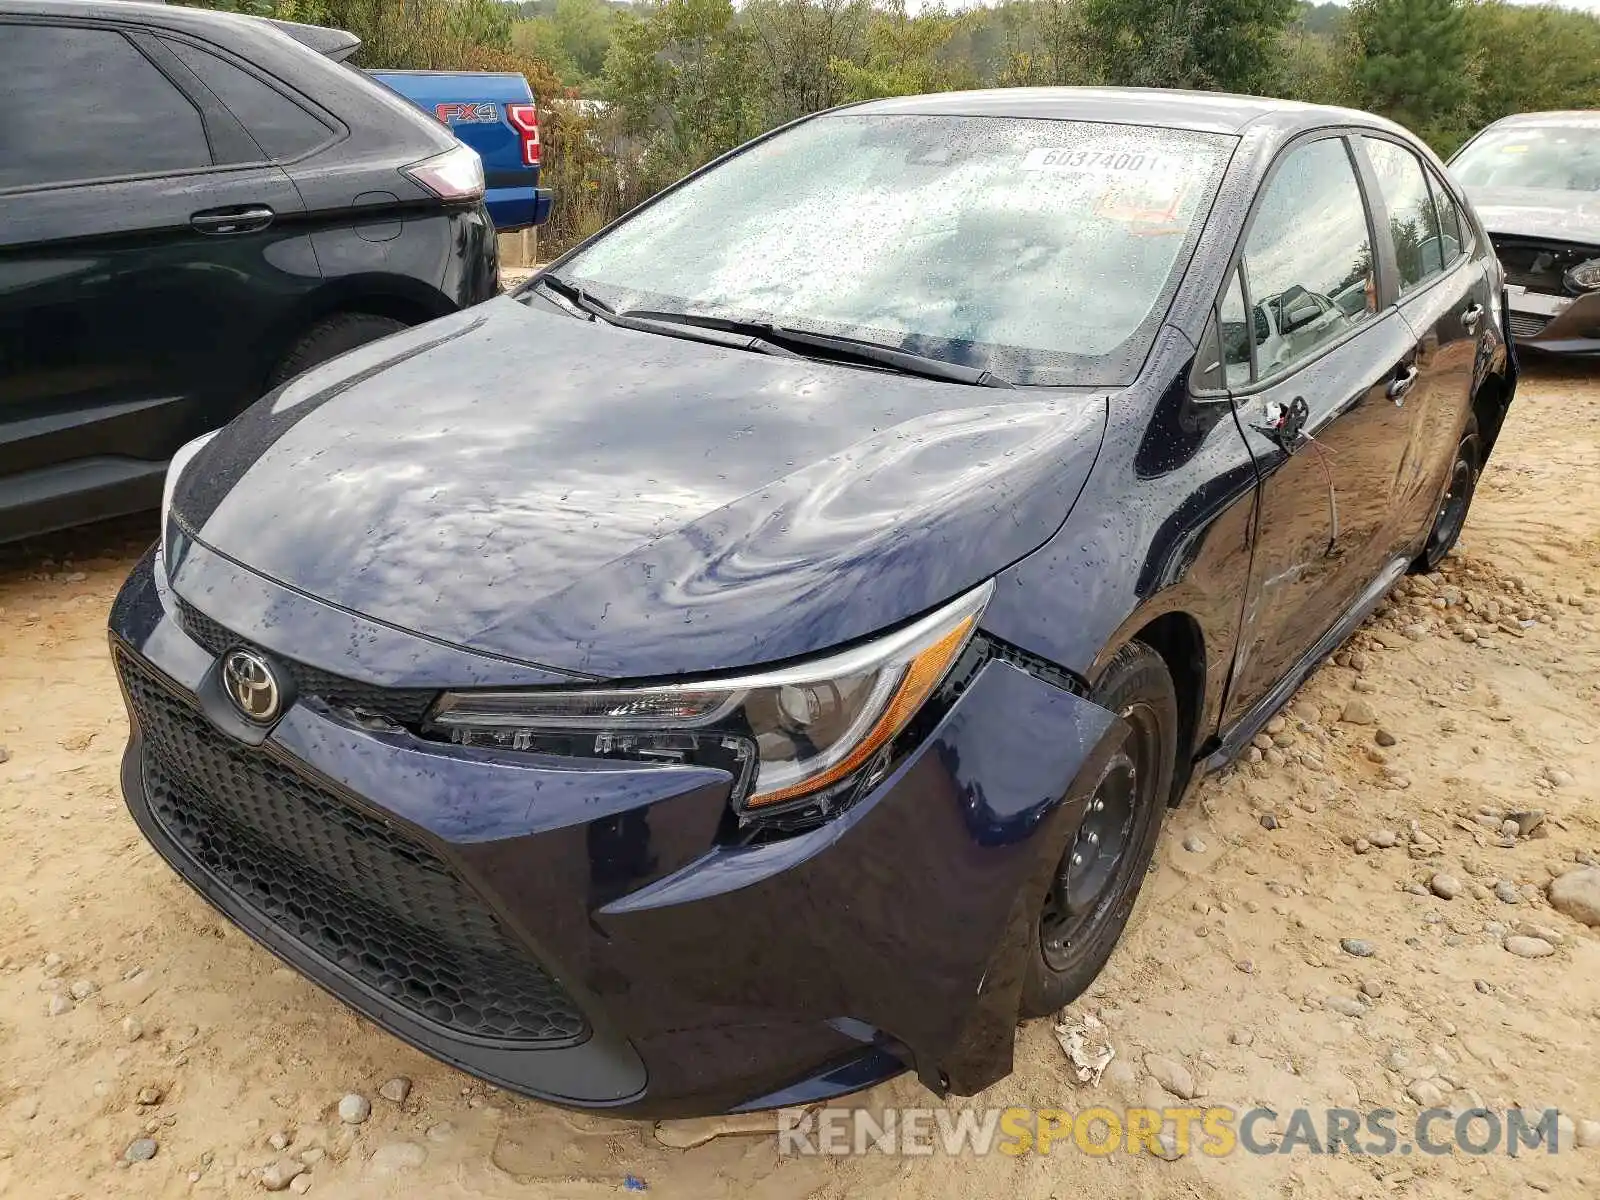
(1577, 894)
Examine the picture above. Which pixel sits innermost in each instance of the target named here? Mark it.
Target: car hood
(627, 505)
(1551, 213)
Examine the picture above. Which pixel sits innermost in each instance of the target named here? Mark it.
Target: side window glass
(1235, 335)
(1419, 251)
(124, 116)
(1308, 256)
(1224, 357)
(1450, 231)
(279, 126)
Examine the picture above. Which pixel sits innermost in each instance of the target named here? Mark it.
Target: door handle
(1403, 383)
(244, 218)
(1471, 317)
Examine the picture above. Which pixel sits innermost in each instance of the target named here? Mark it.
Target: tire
(1087, 908)
(329, 338)
(1457, 499)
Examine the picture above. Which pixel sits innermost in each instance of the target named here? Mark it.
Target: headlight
(799, 731)
(1585, 277)
(175, 469)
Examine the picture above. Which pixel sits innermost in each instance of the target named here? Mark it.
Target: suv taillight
(457, 174)
(524, 119)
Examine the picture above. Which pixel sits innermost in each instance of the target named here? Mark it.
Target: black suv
(195, 206)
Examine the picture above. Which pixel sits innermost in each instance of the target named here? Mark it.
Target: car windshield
(1044, 251)
(1562, 158)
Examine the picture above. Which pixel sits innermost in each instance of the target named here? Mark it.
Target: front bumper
(582, 931)
(1555, 324)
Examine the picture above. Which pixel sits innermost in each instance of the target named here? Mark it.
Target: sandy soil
(167, 1023)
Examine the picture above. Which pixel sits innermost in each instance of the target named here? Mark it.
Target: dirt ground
(128, 1010)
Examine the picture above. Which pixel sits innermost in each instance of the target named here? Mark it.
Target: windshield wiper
(599, 310)
(834, 346)
(576, 296)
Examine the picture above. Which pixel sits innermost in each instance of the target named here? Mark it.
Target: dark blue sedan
(754, 659)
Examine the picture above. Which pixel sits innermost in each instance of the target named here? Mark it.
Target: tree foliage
(685, 80)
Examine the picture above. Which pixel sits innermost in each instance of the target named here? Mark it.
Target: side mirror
(1301, 313)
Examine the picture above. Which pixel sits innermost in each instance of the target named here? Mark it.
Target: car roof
(1571, 116)
(1206, 112)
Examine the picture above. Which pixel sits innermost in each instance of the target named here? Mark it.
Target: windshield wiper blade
(836, 346)
(576, 296)
(599, 310)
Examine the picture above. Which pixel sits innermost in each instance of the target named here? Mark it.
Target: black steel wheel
(1098, 877)
(1455, 502)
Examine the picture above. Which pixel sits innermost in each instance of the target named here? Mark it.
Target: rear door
(1312, 386)
(1444, 298)
(143, 242)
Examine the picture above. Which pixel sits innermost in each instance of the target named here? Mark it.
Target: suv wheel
(329, 338)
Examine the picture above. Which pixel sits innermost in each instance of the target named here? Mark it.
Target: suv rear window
(84, 104)
(279, 126)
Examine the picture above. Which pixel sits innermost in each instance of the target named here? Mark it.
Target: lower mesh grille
(402, 706)
(345, 885)
(1527, 325)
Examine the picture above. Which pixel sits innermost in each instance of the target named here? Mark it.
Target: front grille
(400, 706)
(348, 887)
(1539, 266)
(1527, 325)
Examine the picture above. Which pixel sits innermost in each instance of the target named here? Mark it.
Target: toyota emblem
(251, 685)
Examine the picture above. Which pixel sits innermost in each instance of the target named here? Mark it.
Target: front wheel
(1098, 878)
(1457, 499)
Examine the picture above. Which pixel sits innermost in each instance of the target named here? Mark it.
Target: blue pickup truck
(495, 114)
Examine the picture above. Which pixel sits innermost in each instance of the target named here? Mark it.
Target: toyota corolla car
(753, 659)
(1535, 180)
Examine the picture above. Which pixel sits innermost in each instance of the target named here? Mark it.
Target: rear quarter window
(280, 126)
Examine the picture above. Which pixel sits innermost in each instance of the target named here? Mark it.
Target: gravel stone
(1506, 892)
(1358, 712)
(1357, 947)
(398, 1088)
(1446, 887)
(1577, 894)
(1345, 1006)
(280, 1174)
(1171, 1075)
(1529, 947)
(353, 1110)
(140, 1150)
(1193, 844)
(59, 1004)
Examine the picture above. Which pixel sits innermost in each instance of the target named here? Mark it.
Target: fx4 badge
(481, 112)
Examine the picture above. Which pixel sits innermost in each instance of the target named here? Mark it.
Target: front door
(1323, 410)
(136, 263)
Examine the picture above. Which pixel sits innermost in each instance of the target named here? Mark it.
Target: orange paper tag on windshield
(1151, 204)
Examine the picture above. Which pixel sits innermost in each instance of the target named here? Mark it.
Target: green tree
(681, 80)
(1225, 44)
(1412, 62)
(905, 55)
(1527, 59)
